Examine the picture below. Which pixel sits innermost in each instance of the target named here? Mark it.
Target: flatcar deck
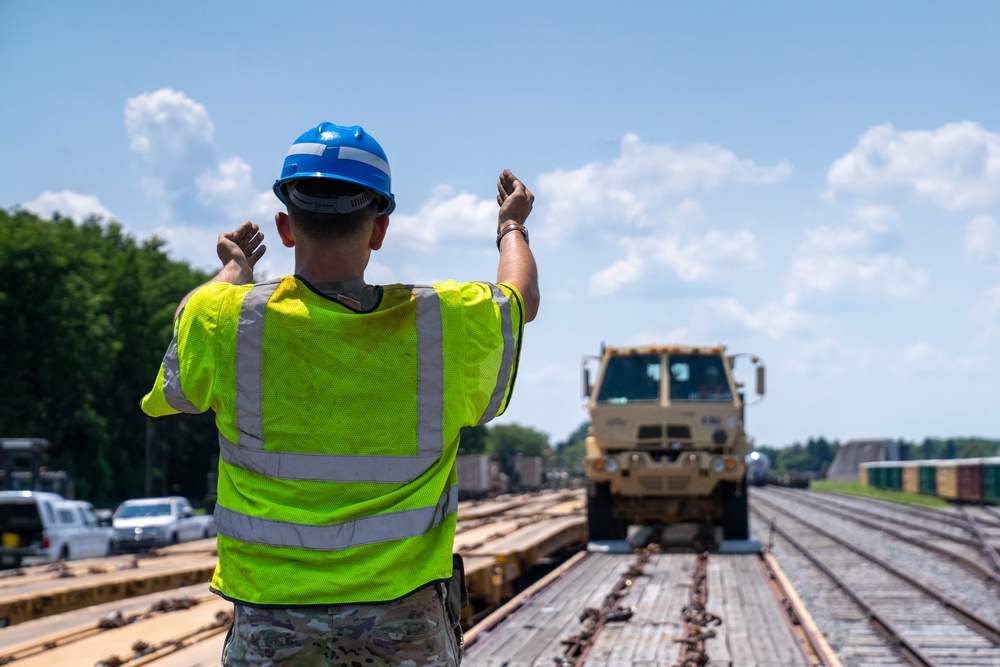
(755, 630)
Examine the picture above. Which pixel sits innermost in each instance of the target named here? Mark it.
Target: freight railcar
(954, 480)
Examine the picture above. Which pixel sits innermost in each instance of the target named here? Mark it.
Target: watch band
(512, 227)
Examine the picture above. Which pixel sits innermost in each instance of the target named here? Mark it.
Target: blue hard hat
(340, 153)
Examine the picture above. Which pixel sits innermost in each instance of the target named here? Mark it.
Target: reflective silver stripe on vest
(327, 467)
(369, 530)
(430, 372)
(250, 365)
(172, 389)
(249, 453)
(507, 360)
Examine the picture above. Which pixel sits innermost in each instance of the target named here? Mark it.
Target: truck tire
(735, 511)
(601, 522)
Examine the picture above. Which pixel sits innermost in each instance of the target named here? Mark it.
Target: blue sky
(815, 183)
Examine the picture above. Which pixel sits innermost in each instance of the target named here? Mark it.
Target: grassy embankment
(856, 489)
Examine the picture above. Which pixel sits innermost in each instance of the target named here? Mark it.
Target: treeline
(816, 454)
(85, 316)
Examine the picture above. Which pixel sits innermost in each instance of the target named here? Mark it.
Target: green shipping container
(928, 478)
(991, 480)
(875, 476)
(894, 477)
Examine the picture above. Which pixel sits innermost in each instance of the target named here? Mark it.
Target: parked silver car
(141, 524)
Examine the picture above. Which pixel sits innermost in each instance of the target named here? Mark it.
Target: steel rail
(840, 510)
(984, 626)
(966, 562)
(984, 540)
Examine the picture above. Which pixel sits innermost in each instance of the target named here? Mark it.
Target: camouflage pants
(414, 631)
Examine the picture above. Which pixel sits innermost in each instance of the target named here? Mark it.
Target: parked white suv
(145, 523)
(36, 526)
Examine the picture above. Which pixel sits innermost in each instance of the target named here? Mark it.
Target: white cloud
(67, 203)
(990, 300)
(774, 320)
(982, 239)
(631, 190)
(956, 166)
(446, 216)
(229, 187)
(927, 358)
(726, 319)
(851, 262)
(186, 181)
(191, 244)
(690, 258)
(165, 126)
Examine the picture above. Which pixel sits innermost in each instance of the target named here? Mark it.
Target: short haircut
(330, 226)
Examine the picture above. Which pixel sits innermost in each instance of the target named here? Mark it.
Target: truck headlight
(611, 464)
(718, 465)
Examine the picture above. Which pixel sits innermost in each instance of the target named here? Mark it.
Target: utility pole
(149, 457)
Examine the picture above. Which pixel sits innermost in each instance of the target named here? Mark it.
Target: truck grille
(656, 484)
(651, 484)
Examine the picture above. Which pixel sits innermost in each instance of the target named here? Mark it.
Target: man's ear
(284, 226)
(378, 232)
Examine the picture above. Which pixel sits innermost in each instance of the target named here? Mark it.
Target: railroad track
(131, 611)
(956, 538)
(877, 597)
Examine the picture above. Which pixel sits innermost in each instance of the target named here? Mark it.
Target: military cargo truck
(666, 442)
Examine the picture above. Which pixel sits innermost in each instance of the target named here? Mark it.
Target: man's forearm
(517, 267)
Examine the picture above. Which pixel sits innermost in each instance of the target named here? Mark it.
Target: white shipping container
(473, 475)
(529, 472)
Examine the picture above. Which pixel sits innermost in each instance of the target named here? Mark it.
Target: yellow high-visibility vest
(338, 428)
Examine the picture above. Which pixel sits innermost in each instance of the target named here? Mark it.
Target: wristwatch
(512, 227)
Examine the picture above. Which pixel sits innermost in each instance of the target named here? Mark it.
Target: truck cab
(666, 443)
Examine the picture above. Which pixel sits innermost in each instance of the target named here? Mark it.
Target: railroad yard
(842, 580)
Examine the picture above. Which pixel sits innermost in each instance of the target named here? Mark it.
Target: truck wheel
(601, 522)
(735, 511)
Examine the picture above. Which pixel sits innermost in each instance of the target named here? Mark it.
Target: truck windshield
(698, 378)
(631, 378)
(132, 511)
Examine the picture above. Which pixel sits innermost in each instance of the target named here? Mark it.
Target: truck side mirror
(587, 387)
(760, 380)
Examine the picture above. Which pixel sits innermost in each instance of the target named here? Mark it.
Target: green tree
(507, 441)
(87, 313)
(474, 439)
(569, 453)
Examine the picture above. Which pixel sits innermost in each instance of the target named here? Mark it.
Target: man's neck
(339, 264)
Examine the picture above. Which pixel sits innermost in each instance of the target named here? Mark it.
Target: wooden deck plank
(777, 636)
(534, 633)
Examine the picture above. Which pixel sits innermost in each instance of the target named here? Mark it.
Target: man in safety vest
(339, 406)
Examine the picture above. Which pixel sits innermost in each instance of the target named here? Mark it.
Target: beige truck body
(666, 442)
